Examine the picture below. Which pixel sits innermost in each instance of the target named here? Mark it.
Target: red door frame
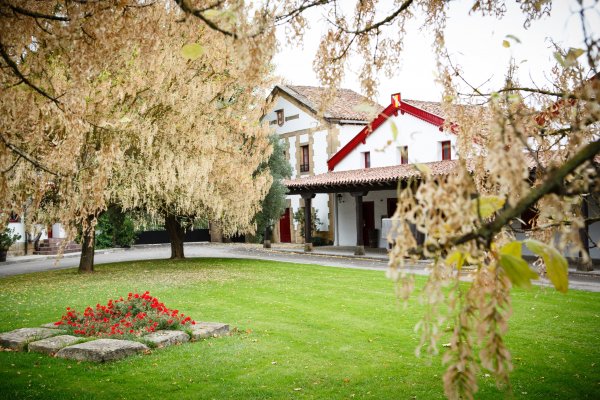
(285, 234)
(368, 220)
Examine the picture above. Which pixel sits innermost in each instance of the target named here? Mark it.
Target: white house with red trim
(311, 135)
(363, 174)
(345, 163)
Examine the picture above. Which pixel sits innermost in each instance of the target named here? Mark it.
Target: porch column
(360, 245)
(308, 220)
(584, 237)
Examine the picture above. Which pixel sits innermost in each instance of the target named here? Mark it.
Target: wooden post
(308, 221)
(360, 245)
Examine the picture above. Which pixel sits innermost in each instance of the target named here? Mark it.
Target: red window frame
(367, 156)
(446, 150)
(305, 165)
(404, 155)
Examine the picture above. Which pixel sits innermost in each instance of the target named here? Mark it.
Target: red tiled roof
(432, 107)
(345, 105)
(391, 174)
(379, 175)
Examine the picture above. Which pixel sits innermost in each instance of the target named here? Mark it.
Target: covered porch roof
(365, 179)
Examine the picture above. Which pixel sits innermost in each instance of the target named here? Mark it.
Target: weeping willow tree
(130, 103)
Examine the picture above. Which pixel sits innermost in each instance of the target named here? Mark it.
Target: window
(446, 150)
(367, 156)
(404, 155)
(304, 165)
(280, 117)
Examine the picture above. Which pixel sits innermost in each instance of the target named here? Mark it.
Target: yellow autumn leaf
(488, 205)
(557, 267)
(192, 51)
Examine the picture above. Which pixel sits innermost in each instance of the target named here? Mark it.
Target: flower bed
(136, 315)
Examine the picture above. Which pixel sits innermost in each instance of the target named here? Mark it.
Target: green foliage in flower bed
(136, 315)
(304, 332)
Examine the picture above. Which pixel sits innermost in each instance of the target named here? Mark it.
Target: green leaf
(422, 168)
(394, 130)
(457, 257)
(512, 248)
(559, 58)
(506, 43)
(513, 37)
(573, 55)
(192, 51)
(517, 270)
(488, 205)
(556, 265)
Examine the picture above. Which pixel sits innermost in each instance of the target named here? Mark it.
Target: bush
(299, 218)
(7, 238)
(114, 229)
(136, 315)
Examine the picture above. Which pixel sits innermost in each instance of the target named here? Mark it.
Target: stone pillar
(308, 221)
(360, 245)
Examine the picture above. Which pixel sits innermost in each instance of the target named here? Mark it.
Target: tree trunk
(267, 239)
(176, 235)
(86, 261)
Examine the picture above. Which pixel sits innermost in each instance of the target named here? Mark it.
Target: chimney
(396, 100)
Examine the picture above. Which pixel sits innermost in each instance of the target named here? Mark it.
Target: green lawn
(304, 331)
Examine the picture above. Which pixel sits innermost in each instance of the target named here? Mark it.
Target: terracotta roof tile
(391, 174)
(370, 175)
(346, 105)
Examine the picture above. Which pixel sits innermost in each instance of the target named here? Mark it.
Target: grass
(304, 331)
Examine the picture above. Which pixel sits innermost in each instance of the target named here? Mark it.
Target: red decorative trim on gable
(390, 110)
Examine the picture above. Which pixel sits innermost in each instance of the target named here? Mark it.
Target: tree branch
(379, 24)
(27, 157)
(15, 68)
(485, 233)
(36, 15)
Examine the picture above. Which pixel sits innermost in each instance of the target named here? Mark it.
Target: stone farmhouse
(347, 167)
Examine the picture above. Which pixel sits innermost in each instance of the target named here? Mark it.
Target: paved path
(333, 258)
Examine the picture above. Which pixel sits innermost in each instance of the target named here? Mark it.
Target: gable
(295, 116)
(409, 120)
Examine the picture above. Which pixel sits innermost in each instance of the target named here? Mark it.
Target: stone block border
(54, 342)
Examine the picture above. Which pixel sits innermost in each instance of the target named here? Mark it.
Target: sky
(475, 43)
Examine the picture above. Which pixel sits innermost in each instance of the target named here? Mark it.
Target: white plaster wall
(321, 204)
(347, 132)
(320, 151)
(304, 121)
(19, 229)
(347, 219)
(58, 231)
(292, 155)
(295, 200)
(423, 141)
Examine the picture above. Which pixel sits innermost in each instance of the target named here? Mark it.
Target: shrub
(135, 315)
(115, 228)
(7, 238)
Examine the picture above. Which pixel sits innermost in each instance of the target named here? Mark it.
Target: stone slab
(167, 338)
(203, 330)
(50, 325)
(102, 350)
(52, 344)
(19, 338)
